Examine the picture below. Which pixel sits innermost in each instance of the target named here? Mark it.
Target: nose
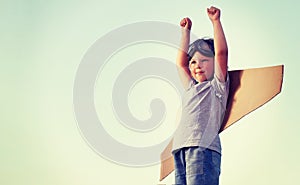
(198, 64)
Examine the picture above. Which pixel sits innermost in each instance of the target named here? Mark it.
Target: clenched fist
(213, 13)
(186, 23)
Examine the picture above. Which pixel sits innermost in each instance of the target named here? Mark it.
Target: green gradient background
(43, 42)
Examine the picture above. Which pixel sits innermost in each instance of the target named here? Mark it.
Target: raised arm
(182, 59)
(221, 49)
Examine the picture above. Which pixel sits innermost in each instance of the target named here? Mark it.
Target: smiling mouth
(199, 73)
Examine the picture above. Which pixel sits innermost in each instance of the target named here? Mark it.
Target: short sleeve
(191, 83)
(221, 88)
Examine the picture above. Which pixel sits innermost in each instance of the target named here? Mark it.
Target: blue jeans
(197, 166)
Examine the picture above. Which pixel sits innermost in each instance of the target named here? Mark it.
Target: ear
(189, 66)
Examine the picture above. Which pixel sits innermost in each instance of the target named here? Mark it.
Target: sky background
(43, 43)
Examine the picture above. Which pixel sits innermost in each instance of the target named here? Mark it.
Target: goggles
(204, 46)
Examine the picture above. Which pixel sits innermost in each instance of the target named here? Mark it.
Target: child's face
(201, 67)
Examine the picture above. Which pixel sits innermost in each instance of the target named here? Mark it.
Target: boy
(203, 73)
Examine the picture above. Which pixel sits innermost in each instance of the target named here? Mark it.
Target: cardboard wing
(249, 90)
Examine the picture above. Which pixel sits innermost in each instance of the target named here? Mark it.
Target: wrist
(216, 22)
(185, 31)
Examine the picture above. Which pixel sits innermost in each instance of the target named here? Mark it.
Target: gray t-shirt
(203, 108)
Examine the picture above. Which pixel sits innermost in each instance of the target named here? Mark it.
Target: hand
(186, 23)
(213, 13)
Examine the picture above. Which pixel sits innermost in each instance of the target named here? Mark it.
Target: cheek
(191, 67)
(209, 66)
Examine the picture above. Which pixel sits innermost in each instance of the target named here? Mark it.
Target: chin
(200, 79)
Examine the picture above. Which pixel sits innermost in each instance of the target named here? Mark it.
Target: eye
(193, 62)
(205, 60)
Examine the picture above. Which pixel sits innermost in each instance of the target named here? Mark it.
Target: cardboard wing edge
(167, 163)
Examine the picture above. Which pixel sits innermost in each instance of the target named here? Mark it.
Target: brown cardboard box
(249, 90)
